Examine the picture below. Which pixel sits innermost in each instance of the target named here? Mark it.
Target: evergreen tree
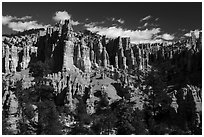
(48, 123)
(39, 69)
(129, 121)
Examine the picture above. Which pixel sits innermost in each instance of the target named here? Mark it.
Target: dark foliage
(129, 121)
(40, 96)
(48, 119)
(39, 69)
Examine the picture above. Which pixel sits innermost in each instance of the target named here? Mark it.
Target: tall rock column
(67, 30)
(120, 45)
(126, 43)
(140, 59)
(116, 60)
(6, 59)
(68, 55)
(69, 98)
(92, 56)
(146, 58)
(99, 52)
(105, 58)
(120, 58)
(14, 58)
(193, 38)
(26, 57)
(132, 59)
(78, 56)
(124, 66)
(86, 59)
(48, 45)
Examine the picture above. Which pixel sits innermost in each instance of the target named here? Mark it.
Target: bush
(39, 69)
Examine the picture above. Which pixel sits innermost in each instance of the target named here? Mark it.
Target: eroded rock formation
(93, 67)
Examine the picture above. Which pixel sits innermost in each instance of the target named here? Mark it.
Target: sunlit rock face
(64, 48)
(68, 55)
(25, 58)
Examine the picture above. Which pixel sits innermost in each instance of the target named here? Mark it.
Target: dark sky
(173, 18)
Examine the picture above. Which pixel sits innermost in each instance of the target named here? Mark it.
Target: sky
(142, 22)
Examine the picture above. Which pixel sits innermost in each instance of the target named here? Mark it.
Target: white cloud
(146, 18)
(74, 22)
(145, 24)
(6, 19)
(167, 36)
(24, 18)
(64, 15)
(21, 26)
(136, 36)
(196, 32)
(187, 34)
(112, 19)
(20, 23)
(121, 21)
(156, 19)
(92, 24)
(61, 15)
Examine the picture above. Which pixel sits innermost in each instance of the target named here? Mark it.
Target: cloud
(145, 24)
(64, 15)
(156, 19)
(136, 36)
(21, 26)
(183, 30)
(187, 34)
(74, 22)
(61, 15)
(20, 23)
(196, 32)
(24, 18)
(7, 19)
(146, 18)
(167, 36)
(112, 19)
(121, 21)
(91, 24)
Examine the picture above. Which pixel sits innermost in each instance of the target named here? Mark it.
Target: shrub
(39, 69)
